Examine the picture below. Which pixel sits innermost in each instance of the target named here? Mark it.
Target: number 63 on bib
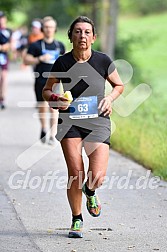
(84, 107)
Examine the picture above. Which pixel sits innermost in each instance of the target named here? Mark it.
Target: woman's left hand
(105, 105)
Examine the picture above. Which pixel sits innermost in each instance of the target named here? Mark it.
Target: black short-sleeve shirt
(83, 80)
(88, 77)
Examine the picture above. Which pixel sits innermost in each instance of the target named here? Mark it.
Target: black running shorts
(79, 132)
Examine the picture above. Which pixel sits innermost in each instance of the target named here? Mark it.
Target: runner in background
(36, 33)
(21, 39)
(5, 39)
(42, 54)
(19, 44)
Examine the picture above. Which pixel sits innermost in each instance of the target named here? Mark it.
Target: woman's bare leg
(98, 162)
(75, 172)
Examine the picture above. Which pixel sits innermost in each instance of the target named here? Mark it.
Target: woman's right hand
(63, 103)
(58, 102)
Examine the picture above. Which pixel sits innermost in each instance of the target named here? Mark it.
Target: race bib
(84, 107)
(53, 53)
(3, 59)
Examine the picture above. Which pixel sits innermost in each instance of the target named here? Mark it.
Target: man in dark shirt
(5, 37)
(42, 54)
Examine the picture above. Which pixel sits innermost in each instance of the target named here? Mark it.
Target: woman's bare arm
(118, 87)
(47, 90)
(55, 100)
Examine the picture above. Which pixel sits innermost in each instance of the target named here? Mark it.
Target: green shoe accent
(93, 204)
(76, 229)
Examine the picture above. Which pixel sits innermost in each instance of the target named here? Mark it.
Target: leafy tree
(8, 5)
(143, 7)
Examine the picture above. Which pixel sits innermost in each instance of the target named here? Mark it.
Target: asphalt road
(34, 211)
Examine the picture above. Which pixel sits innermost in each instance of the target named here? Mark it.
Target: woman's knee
(76, 180)
(95, 180)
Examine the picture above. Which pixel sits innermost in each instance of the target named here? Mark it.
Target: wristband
(52, 101)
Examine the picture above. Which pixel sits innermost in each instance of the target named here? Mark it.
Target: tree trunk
(94, 13)
(109, 26)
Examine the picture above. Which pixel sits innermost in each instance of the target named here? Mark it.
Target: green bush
(143, 7)
(124, 50)
(142, 135)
